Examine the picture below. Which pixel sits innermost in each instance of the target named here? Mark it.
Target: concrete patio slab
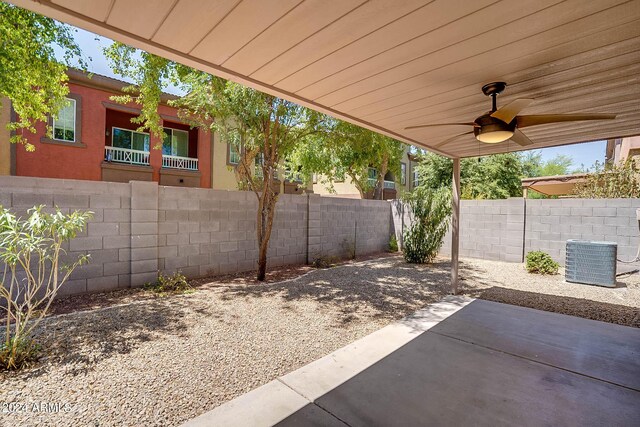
(440, 381)
(600, 350)
(284, 396)
(459, 362)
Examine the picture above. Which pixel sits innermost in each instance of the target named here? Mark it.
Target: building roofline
(109, 84)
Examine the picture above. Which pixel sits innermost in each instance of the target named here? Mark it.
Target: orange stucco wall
(73, 162)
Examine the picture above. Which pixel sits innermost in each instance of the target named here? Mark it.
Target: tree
(30, 75)
(611, 182)
(262, 127)
(491, 177)
(534, 166)
(340, 150)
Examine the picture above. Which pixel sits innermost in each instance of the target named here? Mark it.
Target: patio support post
(455, 225)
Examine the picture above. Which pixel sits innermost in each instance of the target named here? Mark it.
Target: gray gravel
(164, 361)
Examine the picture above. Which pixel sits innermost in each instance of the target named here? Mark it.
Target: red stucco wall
(71, 162)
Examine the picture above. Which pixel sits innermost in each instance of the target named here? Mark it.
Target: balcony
(178, 162)
(126, 155)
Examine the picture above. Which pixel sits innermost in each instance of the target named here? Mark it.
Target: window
(234, 154)
(175, 143)
(416, 178)
(373, 176)
(64, 127)
(403, 173)
(130, 139)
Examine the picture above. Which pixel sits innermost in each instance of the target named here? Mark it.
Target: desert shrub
(393, 243)
(430, 212)
(34, 271)
(349, 248)
(323, 261)
(611, 182)
(169, 284)
(539, 262)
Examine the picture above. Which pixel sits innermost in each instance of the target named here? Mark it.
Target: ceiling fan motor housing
(492, 130)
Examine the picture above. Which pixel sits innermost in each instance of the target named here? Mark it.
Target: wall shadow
(79, 341)
(384, 288)
(588, 309)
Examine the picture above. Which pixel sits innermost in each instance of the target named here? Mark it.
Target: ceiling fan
(501, 124)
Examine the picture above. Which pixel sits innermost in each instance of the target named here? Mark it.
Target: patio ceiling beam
(390, 64)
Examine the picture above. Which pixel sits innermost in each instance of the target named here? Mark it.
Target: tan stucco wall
(348, 189)
(5, 145)
(223, 177)
(627, 145)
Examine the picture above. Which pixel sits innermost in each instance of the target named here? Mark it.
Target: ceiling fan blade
(440, 124)
(508, 112)
(448, 140)
(541, 119)
(521, 139)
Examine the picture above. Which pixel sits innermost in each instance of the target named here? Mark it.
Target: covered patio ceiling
(390, 64)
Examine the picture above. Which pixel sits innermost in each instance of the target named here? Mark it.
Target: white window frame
(231, 147)
(113, 128)
(73, 104)
(416, 178)
(164, 129)
(403, 173)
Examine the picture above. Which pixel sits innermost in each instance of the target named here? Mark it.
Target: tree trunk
(378, 192)
(266, 213)
(267, 202)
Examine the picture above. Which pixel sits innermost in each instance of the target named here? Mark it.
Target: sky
(91, 44)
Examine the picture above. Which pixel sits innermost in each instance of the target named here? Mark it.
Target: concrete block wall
(140, 228)
(107, 237)
(203, 232)
(340, 227)
(506, 230)
(550, 223)
(490, 229)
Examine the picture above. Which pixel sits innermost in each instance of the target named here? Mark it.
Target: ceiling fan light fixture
(493, 137)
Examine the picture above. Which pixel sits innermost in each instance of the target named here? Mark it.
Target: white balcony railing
(126, 155)
(387, 184)
(177, 162)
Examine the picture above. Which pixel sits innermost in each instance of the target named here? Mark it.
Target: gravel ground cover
(162, 361)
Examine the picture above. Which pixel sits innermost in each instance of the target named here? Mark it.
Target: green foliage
(612, 182)
(491, 177)
(175, 283)
(431, 211)
(263, 128)
(31, 249)
(18, 353)
(30, 76)
(393, 243)
(539, 262)
(323, 261)
(341, 150)
(533, 166)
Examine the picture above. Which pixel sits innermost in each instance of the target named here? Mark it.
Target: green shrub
(323, 261)
(31, 250)
(539, 262)
(393, 243)
(431, 211)
(611, 182)
(175, 283)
